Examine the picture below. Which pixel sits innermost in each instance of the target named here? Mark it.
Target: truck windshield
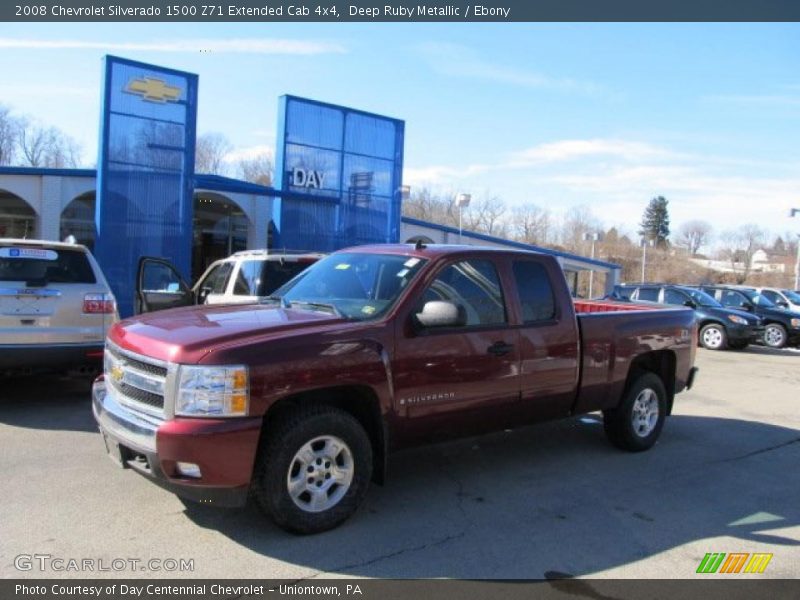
(355, 285)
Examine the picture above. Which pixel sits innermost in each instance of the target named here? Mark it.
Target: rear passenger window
(770, 295)
(535, 292)
(731, 298)
(45, 265)
(648, 294)
(675, 297)
(474, 285)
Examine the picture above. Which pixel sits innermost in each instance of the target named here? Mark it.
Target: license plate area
(115, 452)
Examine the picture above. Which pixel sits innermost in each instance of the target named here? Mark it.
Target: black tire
(713, 337)
(619, 422)
(738, 345)
(283, 440)
(775, 335)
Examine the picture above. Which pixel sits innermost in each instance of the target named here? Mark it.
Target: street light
(462, 202)
(593, 237)
(644, 242)
(793, 212)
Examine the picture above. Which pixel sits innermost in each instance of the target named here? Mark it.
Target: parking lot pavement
(535, 502)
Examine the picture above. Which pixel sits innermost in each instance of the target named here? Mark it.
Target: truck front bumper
(222, 450)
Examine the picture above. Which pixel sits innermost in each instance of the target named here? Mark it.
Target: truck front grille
(139, 381)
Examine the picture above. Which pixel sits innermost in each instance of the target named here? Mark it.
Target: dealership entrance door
(220, 228)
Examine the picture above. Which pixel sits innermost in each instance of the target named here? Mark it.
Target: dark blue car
(781, 326)
(718, 327)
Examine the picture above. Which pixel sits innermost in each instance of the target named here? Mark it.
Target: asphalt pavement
(544, 501)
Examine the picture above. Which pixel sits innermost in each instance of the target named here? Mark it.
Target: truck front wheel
(314, 469)
(636, 423)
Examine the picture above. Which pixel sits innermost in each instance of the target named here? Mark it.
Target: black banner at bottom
(373, 589)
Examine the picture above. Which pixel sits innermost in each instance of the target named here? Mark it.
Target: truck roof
(435, 250)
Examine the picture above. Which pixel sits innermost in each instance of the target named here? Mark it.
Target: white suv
(55, 307)
(242, 278)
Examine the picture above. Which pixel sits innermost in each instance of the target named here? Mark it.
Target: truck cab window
(474, 285)
(535, 292)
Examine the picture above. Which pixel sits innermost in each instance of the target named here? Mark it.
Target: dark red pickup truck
(298, 400)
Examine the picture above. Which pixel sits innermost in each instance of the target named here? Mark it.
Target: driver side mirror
(439, 313)
(690, 304)
(782, 303)
(748, 307)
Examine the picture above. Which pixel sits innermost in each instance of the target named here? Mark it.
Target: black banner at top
(397, 10)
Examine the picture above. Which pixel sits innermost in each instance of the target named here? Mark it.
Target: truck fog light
(188, 470)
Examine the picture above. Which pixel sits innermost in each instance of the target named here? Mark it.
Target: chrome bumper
(133, 430)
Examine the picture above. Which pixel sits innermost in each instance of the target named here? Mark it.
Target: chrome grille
(138, 381)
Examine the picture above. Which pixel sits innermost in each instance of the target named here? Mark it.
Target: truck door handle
(500, 348)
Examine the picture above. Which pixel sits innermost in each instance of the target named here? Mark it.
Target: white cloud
(249, 153)
(230, 46)
(565, 150)
(617, 177)
(791, 100)
(39, 90)
(460, 61)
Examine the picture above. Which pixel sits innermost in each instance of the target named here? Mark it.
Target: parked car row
(729, 316)
(56, 307)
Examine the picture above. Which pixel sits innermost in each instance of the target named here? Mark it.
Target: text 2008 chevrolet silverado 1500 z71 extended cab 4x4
(298, 400)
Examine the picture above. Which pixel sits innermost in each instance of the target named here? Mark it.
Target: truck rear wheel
(636, 423)
(314, 469)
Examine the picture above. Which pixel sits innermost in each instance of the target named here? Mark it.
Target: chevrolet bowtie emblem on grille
(116, 373)
(153, 90)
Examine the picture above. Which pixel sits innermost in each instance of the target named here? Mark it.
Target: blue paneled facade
(145, 171)
(339, 172)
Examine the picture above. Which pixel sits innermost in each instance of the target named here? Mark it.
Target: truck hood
(187, 334)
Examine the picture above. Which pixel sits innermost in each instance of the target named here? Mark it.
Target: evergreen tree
(655, 222)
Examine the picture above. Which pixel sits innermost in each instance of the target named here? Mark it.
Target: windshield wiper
(316, 305)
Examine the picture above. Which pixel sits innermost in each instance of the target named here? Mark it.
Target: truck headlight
(796, 323)
(212, 391)
(738, 320)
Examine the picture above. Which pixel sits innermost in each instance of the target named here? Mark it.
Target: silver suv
(242, 278)
(55, 307)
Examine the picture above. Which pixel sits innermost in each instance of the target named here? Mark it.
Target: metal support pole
(644, 258)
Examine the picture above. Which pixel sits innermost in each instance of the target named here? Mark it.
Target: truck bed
(613, 333)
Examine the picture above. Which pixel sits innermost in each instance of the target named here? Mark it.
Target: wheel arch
(660, 362)
(359, 401)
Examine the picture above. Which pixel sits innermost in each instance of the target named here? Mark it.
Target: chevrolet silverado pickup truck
(297, 401)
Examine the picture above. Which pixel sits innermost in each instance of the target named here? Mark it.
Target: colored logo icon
(734, 562)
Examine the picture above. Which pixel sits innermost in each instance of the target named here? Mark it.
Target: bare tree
(693, 235)
(9, 129)
(33, 140)
(426, 206)
(210, 152)
(257, 169)
(578, 221)
(486, 216)
(739, 247)
(531, 224)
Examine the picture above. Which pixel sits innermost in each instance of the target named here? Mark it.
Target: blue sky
(606, 115)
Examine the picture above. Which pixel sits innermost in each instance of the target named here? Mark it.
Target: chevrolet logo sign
(116, 373)
(152, 89)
